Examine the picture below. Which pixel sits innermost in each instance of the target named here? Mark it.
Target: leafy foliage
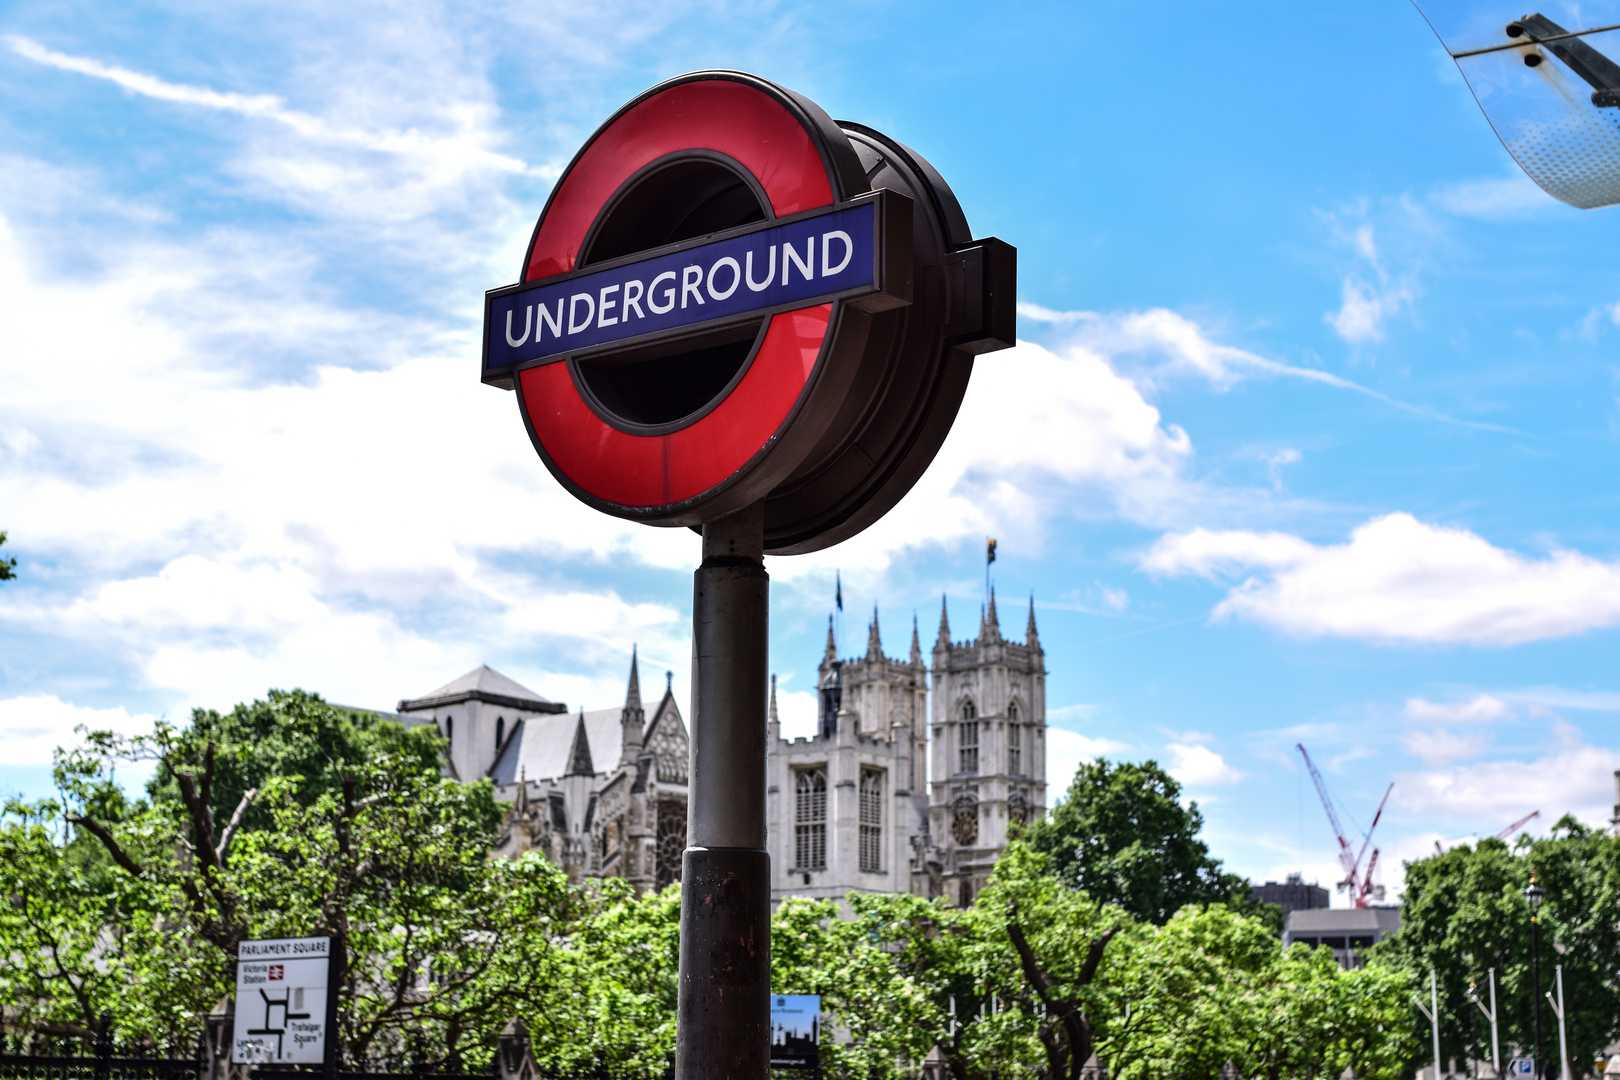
(1465, 914)
(8, 567)
(289, 816)
(1122, 836)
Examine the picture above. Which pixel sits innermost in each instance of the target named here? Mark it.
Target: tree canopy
(1122, 836)
(8, 567)
(1465, 913)
(289, 816)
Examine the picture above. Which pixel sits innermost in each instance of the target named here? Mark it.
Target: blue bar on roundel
(791, 265)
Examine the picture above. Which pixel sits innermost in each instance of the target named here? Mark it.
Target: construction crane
(1513, 828)
(1439, 849)
(1359, 886)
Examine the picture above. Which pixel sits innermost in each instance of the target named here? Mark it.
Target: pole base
(724, 1026)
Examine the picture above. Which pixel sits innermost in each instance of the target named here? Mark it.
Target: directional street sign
(281, 999)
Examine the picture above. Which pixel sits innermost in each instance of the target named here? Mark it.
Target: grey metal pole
(1558, 1007)
(1434, 1022)
(723, 1011)
(1496, 1054)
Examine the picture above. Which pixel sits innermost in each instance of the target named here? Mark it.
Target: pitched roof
(548, 747)
(543, 747)
(484, 683)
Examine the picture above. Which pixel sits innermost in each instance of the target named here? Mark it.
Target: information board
(795, 1030)
(281, 992)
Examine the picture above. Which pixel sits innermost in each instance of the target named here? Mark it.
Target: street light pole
(1533, 896)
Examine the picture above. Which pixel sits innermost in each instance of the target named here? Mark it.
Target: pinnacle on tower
(632, 719)
(916, 642)
(874, 644)
(991, 623)
(579, 755)
(632, 693)
(1031, 638)
(832, 642)
(773, 718)
(944, 625)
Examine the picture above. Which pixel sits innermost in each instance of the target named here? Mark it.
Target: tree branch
(236, 820)
(100, 833)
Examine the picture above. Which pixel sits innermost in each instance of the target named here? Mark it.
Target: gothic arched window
(965, 894)
(967, 742)
(1015, 750)
(969, 711)
(500, 731)
(1012, 711)
(810, 819)
(872, 820)
(449, 728)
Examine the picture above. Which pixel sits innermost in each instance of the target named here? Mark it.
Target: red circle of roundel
(756, 130)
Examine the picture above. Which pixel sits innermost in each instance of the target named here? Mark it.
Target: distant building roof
(542, 747)
(1367, 920)
(484, 683)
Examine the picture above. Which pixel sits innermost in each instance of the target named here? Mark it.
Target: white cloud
(1399, 580)
(34, 726)
(462, 147)
(1481, 707)
(1369, 293)
(1441, 746)
(1196, 764)
(1065, 750)
(1089, 437)
(1172, 344)
(1498, 198)
(1487, 796)
(1361, 315)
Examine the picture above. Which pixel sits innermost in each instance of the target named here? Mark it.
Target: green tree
(442, 943)
(1465, 913)
(8, 567)
(1122, 835)
(613, 1009)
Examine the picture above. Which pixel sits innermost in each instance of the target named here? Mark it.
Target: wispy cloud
(462, 145)
(1176, 345)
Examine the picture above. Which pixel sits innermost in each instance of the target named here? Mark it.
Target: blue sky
(1312, 435)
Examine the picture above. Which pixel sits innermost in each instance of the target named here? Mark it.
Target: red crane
(1513, 828)
(1360, 886)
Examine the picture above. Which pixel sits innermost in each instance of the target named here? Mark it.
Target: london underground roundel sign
(731, 298)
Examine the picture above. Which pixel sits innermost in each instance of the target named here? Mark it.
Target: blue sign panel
(779, 266)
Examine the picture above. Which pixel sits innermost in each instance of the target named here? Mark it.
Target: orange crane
(1359, 885)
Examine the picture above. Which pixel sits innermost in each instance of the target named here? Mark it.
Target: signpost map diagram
(281, 987)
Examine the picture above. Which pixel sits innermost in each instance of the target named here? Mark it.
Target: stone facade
(601, 792)
(907, 785)
(888, 796)
(846, 805)
(988, 762)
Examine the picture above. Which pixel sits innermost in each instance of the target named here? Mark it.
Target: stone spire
(633, 719)
(773, 718)
(1031, 638)
(579, 755)
(832, 643)
(874, 643)
(992, 625)
(916, 642)
(944, 625)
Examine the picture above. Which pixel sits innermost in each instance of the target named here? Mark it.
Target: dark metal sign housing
(669, 373)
